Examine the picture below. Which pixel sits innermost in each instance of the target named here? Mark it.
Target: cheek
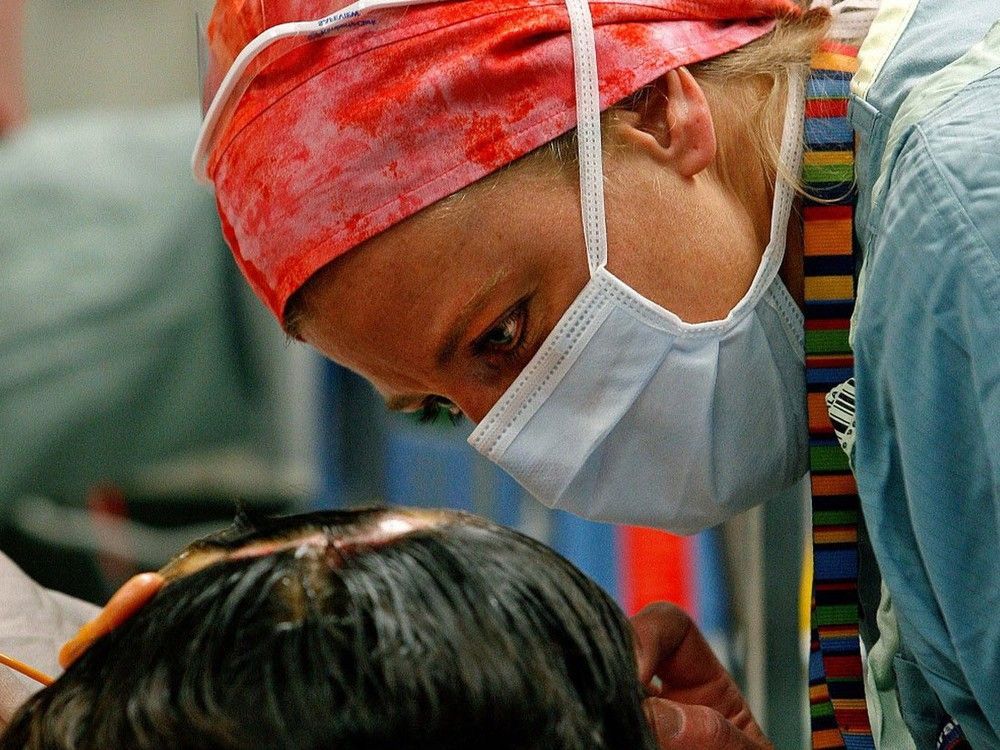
(695, 258)
(475, 399)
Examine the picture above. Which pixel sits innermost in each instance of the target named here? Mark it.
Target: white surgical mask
(627, 413)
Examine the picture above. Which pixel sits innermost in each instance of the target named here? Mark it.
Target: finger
(658, 629)
(677, 726)
(670, 649)
(664, 633)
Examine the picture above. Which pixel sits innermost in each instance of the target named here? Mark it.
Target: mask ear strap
(588, 126)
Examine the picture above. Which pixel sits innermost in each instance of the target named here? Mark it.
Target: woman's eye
(435, 409)
(506, 335)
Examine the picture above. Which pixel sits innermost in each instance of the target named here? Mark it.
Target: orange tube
(31, 672)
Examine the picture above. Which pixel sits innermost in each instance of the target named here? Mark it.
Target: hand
(696, 704)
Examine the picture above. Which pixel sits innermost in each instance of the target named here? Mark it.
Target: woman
(661, 381)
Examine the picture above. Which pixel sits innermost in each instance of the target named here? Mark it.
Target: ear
(128, 600)
(675, 125)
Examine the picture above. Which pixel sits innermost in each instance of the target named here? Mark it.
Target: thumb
(678, 726)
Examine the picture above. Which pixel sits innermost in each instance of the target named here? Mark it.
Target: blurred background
(143, 390)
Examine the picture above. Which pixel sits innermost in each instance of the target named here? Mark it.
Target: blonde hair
(770, 60)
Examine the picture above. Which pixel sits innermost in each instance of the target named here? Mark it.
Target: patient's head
(355, 630)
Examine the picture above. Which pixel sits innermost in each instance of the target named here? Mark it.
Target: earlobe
(128, 600)
(676, 128)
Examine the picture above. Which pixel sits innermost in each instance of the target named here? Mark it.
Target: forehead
(482, 224)
(413, 280)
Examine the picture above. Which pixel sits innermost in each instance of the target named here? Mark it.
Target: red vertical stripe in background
(655, 566)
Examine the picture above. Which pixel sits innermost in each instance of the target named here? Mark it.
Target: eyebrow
(465, 315)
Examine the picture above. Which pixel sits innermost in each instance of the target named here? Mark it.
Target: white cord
(588, 126)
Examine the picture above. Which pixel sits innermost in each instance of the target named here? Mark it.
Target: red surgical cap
(343, 137)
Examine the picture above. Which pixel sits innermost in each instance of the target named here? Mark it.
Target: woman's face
(449, 306)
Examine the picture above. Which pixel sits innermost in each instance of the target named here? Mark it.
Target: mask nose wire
(588, 117)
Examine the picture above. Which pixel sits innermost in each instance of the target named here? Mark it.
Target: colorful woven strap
(836, 687)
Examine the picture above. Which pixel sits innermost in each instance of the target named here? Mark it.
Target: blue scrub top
(927, 348)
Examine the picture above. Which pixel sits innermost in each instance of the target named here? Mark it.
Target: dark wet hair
(464, 635)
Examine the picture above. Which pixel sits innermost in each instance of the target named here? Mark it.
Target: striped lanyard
(838, 713)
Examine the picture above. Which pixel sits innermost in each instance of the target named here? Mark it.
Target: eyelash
(517, 319)
(434, 408)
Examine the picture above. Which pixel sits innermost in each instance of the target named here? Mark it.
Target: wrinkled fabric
(34, 623)
(341, 138)
(927, 455)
